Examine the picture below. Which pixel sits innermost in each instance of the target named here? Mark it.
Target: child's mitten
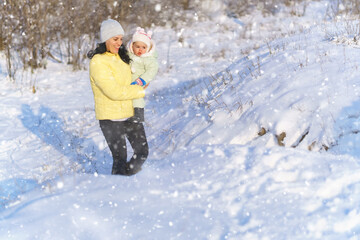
(139, 81)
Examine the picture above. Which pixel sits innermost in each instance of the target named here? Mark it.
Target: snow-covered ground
(210, 174)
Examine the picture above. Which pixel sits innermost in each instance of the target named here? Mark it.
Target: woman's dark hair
(101, 48)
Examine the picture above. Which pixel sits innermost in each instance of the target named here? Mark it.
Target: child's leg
(138, 115)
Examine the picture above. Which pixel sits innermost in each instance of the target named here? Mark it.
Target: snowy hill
(248, 139)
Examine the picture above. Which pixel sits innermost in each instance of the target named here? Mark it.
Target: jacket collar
(111, 54)
(149, 53)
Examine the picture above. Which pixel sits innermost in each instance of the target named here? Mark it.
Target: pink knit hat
(141, 36)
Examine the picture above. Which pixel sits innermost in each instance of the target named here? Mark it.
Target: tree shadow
(49, 127)
(346, 131)
(11, 189)
(170, 134)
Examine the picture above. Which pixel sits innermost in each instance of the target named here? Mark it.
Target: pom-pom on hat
(141, 36)
(110, 28)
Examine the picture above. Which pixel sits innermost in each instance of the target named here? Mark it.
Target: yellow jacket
(110, 79)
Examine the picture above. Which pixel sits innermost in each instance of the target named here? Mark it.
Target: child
(144, 66)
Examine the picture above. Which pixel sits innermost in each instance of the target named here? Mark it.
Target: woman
(110, 77)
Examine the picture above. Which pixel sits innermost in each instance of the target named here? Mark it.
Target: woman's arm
(102, 77)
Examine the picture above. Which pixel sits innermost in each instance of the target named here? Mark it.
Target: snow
(210, 175)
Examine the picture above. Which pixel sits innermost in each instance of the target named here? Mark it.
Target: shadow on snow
(49, 127)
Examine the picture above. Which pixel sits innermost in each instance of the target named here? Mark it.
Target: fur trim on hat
(141, 36)
(149, 52)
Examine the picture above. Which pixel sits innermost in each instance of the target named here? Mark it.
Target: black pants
(115, 133)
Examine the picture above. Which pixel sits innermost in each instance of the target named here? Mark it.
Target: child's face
(139, 48)
(113, 44)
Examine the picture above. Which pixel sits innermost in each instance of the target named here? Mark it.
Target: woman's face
(139, 48)
(113, 44)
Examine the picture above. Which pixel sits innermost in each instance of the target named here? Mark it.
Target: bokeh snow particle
(60, 185)
(158, 7)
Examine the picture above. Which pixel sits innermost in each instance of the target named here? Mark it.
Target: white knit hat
(110, 28)
(141, 36)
